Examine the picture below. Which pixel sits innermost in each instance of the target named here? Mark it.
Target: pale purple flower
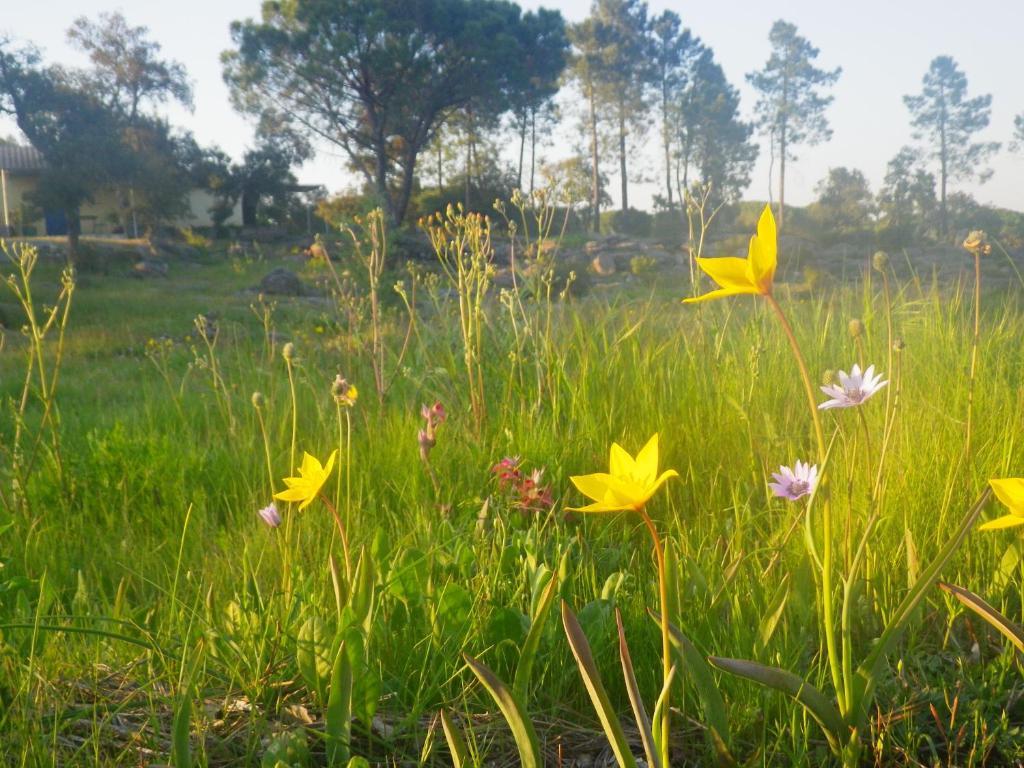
(853, 389)
(270, 515)
(793, 483)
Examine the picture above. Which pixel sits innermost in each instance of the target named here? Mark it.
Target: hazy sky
(884, 49)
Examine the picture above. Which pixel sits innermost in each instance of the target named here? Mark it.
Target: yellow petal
(600, 507)
(292, 494)
(727, 271)
(593, 486)
(330, 464)
(309, 465)
(647, 461)
(765, 253)
(620, 463)
(1010, 491)
(662, 478)
(1006, 521)
(721, 293)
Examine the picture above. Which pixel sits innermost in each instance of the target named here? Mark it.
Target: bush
(630, 222)
(669, 226)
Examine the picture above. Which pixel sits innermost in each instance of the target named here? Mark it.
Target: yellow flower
(629, 482)
(1011, 492)
(753, 274)
(306, 487)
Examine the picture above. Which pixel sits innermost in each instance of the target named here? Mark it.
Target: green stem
(666, 640)
(974, 351)
(834, 661)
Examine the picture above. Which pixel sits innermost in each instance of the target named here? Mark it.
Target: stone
(149, 268)
(281, 282)
(603, 264)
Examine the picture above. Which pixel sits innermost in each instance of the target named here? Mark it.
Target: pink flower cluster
(527, 492)
(433, 416)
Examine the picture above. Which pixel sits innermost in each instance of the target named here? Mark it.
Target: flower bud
(856, 328)
(288, 352)
(880, 261)
(898, 345)
(977, 243)
(257, 400)
(270, 515)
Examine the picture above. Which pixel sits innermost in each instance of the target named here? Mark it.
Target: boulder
(149, 268)
(281, 282)
(603, 264)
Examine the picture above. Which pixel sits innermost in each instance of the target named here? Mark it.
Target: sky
(883, 46)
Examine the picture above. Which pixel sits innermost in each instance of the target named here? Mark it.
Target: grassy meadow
(148, 615)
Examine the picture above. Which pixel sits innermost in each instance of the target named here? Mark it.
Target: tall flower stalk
(977, 245)
(628, 486)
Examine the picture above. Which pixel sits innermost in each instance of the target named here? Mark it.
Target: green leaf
(362, 591)
(635, 700)
(867, 672)
(454, 612)
(180, 747)
(313, 655)
(813, 700)
(532, 642)
(1009, 630)
(703, 679)
(456, 744)
(598, 695)
(515, 714)
(771, 618)
(338, 717)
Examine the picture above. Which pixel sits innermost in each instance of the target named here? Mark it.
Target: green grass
(140, 576)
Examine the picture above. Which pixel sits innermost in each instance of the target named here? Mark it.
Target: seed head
(977, 243)
(288, 352)
(257, 400)
(856, 328)
(880, 261)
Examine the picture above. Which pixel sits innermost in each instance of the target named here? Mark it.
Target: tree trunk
(533, 146)
(522, 150)
(74, 234)
(401, 205)
(666, 137)
(943, 178)
(440, 157)
(782, 175)
(622, 156)
(595, 176)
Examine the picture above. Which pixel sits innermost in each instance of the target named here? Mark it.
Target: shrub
(630, 222)
(669, 226)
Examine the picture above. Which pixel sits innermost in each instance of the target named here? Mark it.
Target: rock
(281, 282)
(149, 268)
(603, 264)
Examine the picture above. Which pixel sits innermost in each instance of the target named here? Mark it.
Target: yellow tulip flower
(753, 274)
(1010, 491)
(628, 484)
(306, 487)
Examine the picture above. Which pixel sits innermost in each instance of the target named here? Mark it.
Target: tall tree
(131, 78)
(626, 71)
(674, 48)
(792, 104)
(943, 116)
(712, 139)
(1018, 132)
(78, 136)
(372, 77)
(127, 68)
(845, 203)
(542, 57)
(587, 62)
(907, 199)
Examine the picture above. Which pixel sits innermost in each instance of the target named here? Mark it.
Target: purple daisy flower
(793, 483)
(853, 389)
(270, 515)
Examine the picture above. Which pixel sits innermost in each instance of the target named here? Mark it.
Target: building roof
(17, 158)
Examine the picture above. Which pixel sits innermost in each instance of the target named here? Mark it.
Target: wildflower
(753, 274)
(270, 515)
(288, 352)
(977, 243)
(856, 328)
(880, 261)
(433, 416)
(853, 389)
(628, 484)
(791, 484)
(344, 393)
(507, 469)
(1010, 491)
(258, 400)
(306, 487)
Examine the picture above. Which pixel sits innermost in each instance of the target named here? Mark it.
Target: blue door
(56, 222)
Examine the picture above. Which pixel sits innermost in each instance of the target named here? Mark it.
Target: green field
(144, 602)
